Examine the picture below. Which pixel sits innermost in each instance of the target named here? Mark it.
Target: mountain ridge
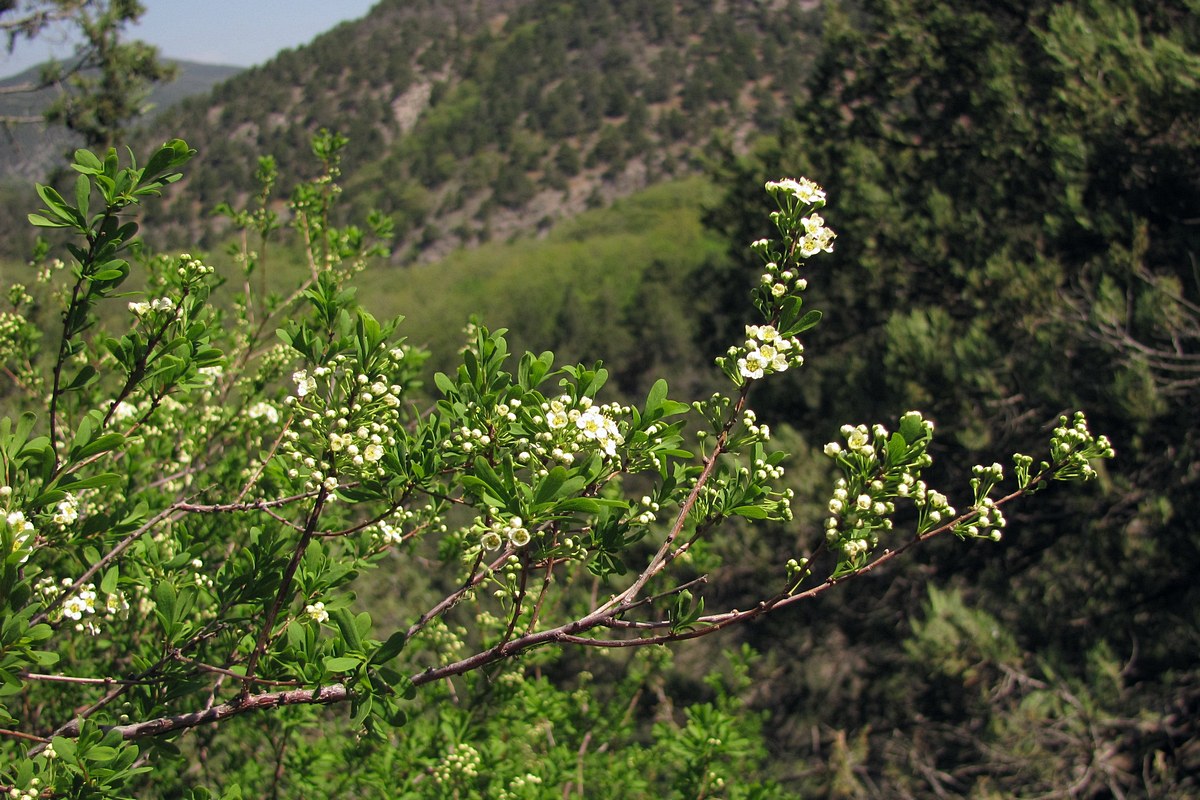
(482, 119)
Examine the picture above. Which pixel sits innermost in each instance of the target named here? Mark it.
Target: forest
(263, 538)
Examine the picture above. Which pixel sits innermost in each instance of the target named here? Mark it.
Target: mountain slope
(476, 119)
(30, 150)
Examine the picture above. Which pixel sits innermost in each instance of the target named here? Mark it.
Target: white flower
(752, 365)
(263, 409)
(304, 382)
(591, 423)
(317, 611)
(373, 453)
(856, 438)
(67, 511)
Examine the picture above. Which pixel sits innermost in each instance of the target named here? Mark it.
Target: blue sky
(238, 32)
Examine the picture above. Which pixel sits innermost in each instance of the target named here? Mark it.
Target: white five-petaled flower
(752, 365)
(317, 611)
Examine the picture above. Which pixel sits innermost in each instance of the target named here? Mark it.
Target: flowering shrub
(196, 484)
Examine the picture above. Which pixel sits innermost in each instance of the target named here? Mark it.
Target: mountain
(476, 119)
(29, 150)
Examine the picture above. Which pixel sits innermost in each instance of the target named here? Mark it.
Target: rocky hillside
(471, 120)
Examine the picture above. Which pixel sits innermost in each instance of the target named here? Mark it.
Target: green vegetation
(1017, 187)
(1014, 189)
(582, 291)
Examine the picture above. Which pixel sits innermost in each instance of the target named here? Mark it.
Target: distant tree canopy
(1018, 193)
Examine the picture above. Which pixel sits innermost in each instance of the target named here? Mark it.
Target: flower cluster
(557, 431)
(649, 512)
(765, 352)
(47, 270)
(856, 515)
(494, 535)
(773, 347)
(192, 270)
(802, 190)
(144, 309)
(18, 338)
(82, 606)
(521, 787)
(817, 238)
(778, 281)
(22, 528)
(391, 531)
(581, 426)
(462, 763)
(879, 467)
(67, 511)
(199, 578)
(1073, 446)
(264, 410)
(34, 790)
(986, 520)
(933, 506)
(446, 642)
(330, 439)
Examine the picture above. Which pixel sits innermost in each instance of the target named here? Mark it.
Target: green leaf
(341, 663)
(297, 639)
(897, 448)
(164, 601)
(172, 155)
(83, 189)
(101, 444)
(344, 620)
(547, 488)
(806, 322)
(44, 658)
(484, 471)
(64, 748)
(749, 512)
(390, 649)
(100, 754)
(87, 163)
(87, 373)
(585, 504)
(94, 481)
(42, 222)
(55, 204)
(654, 400)
(108, 584)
